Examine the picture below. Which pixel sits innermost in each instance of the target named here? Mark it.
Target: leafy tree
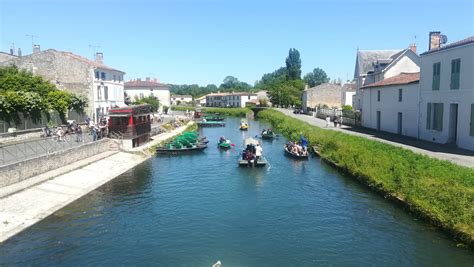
(59, 101)
(150, 100)
(293, 64)
(316, 77)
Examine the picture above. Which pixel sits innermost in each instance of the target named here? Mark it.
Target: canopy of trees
(229, 84)
(150, 100)
(316, 77)
(293, 65)
(21, 92)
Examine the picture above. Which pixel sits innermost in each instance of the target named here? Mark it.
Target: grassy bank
(237, 112)
(182, 108)
(437, 190)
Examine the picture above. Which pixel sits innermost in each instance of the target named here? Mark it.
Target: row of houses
(428, 96)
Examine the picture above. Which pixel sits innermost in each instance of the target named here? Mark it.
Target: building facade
(181, 99)
(392, 105)
(326, 94)
(103, 86)
(138, 89)
(447, 93)
(230, 99)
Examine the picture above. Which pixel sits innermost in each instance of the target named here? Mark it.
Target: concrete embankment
(27, 202)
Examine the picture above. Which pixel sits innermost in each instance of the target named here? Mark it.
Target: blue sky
(202, 41)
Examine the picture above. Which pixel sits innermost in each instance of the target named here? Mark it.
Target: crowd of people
(337, 120)
(300, 149)
(267, 132)
(252, 153)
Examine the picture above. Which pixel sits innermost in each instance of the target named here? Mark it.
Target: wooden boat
(210, 124)
(294, 155)
(268, 136)
(176, 150)
(262, 162)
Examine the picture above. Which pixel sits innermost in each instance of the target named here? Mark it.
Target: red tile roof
(146, 84)
(88, 61)
(402, 78)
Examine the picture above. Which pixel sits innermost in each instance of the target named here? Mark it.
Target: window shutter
(428, 116)
(472, 120)
(439, 116)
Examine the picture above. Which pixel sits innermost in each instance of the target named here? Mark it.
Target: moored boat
(210, 124)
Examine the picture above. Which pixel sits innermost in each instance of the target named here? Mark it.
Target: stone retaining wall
(23, 170)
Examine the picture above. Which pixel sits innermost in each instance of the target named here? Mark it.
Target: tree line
(32, 96)
(229, 84)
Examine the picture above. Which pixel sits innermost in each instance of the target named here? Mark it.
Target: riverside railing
(28, 149)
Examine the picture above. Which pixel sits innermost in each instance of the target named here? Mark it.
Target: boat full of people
(268, 134)
(224, 143)
(297, 150)
(252, 155)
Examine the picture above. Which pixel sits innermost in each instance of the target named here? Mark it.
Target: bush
(439, 190)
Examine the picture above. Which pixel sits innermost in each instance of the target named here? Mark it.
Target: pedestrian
(334, 120)
(328, 121)
(79, 133)
(94, 133)
(340, 121)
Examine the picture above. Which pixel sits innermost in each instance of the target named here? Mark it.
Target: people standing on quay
(78, 131)
(328, 121)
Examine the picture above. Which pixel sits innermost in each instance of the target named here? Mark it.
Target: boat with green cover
(213, 118)
(185, 142)
(210, 124)
(224, 143)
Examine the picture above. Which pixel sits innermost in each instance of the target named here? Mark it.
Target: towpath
(442, 152)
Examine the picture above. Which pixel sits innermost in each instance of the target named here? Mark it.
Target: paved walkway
(443, 152)
(28, 202)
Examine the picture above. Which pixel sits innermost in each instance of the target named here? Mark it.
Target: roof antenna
(32, 40)
(94, 49)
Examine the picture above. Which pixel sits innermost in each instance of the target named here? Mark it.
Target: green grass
(237, 112)
(438, 190)
(182, 108)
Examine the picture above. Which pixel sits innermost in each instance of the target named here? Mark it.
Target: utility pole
(32, 40)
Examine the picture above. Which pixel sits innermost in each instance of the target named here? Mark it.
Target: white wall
(115, 91)
(161, 93)
(408, 63)
(464, 96)
(246, 98)
(389, 106)
(347, 98)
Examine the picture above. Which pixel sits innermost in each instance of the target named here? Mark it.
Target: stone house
(230, 99)
(328, 94)
(149, 87)
(102, 85)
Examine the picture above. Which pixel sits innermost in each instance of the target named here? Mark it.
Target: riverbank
(437, 190)
(26, 203)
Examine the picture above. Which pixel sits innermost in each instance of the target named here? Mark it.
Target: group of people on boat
(252, 152)
(267, 132)
(300, 149)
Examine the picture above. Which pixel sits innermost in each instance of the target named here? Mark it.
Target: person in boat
(303, 141)
(258, 152)
(222, 140)
(264, 132)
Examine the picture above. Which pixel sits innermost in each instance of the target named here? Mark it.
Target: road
(453, 154)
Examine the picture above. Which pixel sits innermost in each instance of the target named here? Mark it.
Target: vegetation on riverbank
(237, 112)
(438, 190)
(182, 108)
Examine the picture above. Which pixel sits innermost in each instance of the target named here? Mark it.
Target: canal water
(196, 209)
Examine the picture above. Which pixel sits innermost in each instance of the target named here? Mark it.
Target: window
(115, 76)
(99, 93)
(106, 93)
(434, 119)
(378, 96)
(97, 75)
(249, 97)
(400, 95)
(102, 75)
(436, 75)
(455, 71)
(472, 120)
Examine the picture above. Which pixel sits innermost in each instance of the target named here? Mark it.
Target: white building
(181, 99)
(392, 104)
(201, 100)
(348, 92)
(230, 99)
(447, 92)
(138, 89)
(376, 65)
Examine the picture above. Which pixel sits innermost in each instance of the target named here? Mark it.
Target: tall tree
(293, 64)
(316, 77)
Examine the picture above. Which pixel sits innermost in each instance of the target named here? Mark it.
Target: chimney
(435, 40)
(36, 49)
(412, 47)
(11, 51)
(139, 79)
(155, 80)
(147, 79)
(99, 57)
(19, 52)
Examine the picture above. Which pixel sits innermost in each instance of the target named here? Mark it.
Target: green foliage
(232, 83)
(440, 190)
(293, 65)
(286, 93)
(21, 92)
(229, 84)
(150, 100)
(183, 108)
(316, 77)
(237, 112)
